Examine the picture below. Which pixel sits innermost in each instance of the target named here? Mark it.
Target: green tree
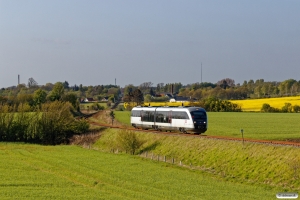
(55, 122)
(57, 91)
(148, 98)
(287, 108)
(66, 84)
(39, 96)
(296, 108)
(72, 98)
(112, 116)
(265, 107)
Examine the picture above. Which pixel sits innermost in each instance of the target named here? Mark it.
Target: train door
(170, 119)
(142, 115)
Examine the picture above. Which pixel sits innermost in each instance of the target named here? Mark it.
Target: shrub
(296, 108)
(218, 105)
(265, 107)
(80, 126)
(128, 141)
(287, 107)
(96, 106)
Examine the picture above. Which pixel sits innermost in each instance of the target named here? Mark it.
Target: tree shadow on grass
(150, 147)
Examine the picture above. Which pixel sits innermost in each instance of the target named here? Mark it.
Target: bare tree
(32, 82)
(145, 87)
(137, 97)
(159, 87)
(225, 83)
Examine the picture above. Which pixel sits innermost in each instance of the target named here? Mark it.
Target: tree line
(225, 89)
(35, 94)
(51, 123)
(287, 108)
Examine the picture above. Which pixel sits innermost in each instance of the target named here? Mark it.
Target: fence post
(165, 158)
(172, 160)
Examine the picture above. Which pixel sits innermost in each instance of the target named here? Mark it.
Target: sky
(98, 42)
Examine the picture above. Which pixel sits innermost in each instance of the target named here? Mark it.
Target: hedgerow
(52, 124)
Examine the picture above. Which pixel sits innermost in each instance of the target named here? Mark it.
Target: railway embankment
(249, 163)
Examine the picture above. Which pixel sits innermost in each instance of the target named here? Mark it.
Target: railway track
(271, 142)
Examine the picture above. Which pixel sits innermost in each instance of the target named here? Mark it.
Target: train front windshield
(196, 115)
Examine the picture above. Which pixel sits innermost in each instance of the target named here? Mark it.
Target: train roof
(190, 109)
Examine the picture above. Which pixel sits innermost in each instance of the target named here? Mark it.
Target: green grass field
(272, 126)
(70, 172)
(123, 117)
(249, 163)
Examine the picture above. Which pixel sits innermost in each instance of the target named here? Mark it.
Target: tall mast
(201, 72)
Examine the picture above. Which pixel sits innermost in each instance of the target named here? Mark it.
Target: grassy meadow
(271, 126)
(264, 166)
(255, 105)
(71, 172)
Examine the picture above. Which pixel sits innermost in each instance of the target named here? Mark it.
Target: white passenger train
(183, 119)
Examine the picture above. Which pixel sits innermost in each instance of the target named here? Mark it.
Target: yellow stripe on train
(161, 104)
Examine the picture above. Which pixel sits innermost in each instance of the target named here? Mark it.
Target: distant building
(104, 99)
(179, 99)
(88, 100)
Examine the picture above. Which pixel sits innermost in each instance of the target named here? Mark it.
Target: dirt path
(103, 117)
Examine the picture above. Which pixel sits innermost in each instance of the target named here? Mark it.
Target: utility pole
(201, 72)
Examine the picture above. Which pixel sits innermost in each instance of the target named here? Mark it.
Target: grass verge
(265, 165)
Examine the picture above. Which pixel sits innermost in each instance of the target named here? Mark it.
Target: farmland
(70, 172)
(255, 105)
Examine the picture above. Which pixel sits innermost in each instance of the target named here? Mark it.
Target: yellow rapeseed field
(256, 104)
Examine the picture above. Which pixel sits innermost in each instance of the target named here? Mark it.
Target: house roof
(89, 99)
(180, 98)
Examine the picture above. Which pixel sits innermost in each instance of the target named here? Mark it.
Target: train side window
(148, 116)
(135, 113)
(162, 116)
(185, 115)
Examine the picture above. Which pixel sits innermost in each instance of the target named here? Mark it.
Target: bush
(296, 108)
(96, 106)
(218, 105)
(265, 107)
(128, 141)
(53, 124)
(80, 126)
(120, 108)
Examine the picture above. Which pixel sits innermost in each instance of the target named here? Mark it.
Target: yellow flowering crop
(256, 104)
